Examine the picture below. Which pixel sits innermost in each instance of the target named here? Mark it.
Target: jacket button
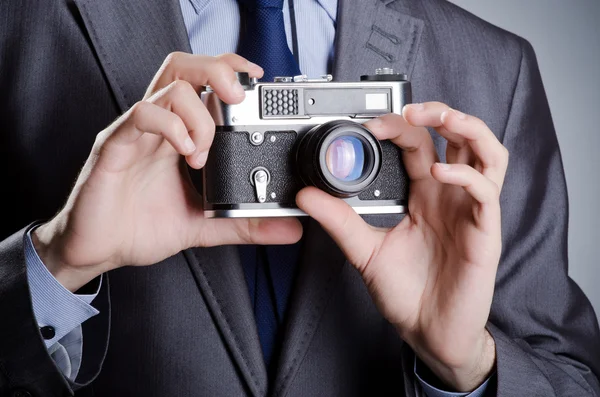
(48, 332)
(20, 393)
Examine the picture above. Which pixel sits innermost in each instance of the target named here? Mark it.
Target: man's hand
(134, 202)
(433, 275)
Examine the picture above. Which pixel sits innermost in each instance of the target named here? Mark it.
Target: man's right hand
(133, 202)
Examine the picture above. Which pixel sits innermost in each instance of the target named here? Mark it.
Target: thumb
(356, 238)
(264, 231)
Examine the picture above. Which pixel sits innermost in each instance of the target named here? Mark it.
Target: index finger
(462, 129)
(418, 150)
(203, 70)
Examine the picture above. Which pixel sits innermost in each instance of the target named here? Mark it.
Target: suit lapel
(320, 266)
(131, 39)
(220, 277)
(372, 34)
(369, 34)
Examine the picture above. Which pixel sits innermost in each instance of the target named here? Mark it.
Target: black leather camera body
(295, 132)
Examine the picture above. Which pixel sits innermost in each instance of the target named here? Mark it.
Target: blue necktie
(263, 40)
(269, 270)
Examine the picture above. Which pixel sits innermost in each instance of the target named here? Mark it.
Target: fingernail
(416, 106)
(189, 145)
(374, 123)
(253, 65)
(238, 90)
(444, 166)
(458, 114)
(201, 159)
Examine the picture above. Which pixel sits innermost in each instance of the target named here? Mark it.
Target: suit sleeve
(546, 332)
(25, 362)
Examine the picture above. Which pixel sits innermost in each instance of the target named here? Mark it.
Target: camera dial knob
(384, 71)
(384, 74)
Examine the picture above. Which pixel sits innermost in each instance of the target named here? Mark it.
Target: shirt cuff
(431, 391)
(53, 304)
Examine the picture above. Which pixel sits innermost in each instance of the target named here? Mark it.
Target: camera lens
(345, 158)
(340, 157)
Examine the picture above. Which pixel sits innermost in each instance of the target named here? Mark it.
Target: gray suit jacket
(185, 327)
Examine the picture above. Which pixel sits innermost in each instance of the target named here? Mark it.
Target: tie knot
(254, 4)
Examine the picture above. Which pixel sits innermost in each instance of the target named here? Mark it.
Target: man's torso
(184, 327)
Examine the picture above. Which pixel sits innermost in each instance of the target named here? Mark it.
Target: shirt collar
(330, 6)
(199, 5)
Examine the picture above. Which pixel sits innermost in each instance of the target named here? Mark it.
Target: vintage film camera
(298, 131)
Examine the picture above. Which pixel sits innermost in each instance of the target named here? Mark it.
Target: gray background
(566, 37)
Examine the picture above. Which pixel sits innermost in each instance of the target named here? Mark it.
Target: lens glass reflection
(345, 158)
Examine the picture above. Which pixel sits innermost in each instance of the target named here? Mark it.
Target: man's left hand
(433, 275)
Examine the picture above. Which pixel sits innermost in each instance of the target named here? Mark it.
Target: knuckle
(176, 127)
(205, 144)
(180, 87)
(501, 158)
(391, 118)
(173, 58)
(219, 63)
(139, 109)
(209, 124)
(505, 154)
(421, 140)
(494, 190)
(465, 169)
(479, 124)
(223, 70)
(101, 139)
(228, 56)
(437, 104)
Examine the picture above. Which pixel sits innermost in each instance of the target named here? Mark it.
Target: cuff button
(48, 332)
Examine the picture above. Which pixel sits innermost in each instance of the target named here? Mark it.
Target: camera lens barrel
(340, 157)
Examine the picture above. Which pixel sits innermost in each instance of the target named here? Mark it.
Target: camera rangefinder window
(376, 101)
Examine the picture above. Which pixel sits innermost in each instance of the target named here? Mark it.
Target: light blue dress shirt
(204, 20)
(56, 306)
